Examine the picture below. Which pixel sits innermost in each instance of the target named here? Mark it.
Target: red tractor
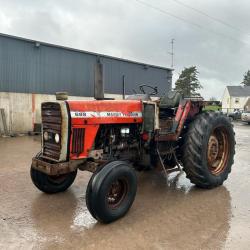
(113, 138)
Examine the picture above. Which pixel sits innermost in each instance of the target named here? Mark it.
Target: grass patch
(212, 108)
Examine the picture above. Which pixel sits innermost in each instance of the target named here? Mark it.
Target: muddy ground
(178, 216)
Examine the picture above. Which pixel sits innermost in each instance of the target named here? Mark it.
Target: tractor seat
(143, 97)
(170, 100)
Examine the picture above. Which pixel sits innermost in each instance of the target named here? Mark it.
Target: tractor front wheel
(52, 184)
(111, 191)
(208, 150)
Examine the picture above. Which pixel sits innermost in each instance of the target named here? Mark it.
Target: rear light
(145, 136)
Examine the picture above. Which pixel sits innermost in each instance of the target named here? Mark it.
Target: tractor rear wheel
(52, 184)
(208, 150)
(111, 191)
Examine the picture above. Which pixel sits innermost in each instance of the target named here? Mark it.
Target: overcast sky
(131, 30)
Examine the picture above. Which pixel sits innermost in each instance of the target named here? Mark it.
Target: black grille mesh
(77, 141)
(51, 122)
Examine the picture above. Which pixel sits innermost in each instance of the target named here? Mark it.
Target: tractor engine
(119, 141)
(96, 130)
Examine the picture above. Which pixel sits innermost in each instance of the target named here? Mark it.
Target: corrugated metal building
(32, 71)
(28, 66)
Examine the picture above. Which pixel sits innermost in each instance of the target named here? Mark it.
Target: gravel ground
(174, 216)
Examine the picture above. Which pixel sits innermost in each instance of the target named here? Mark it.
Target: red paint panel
(90, 114)
(179, 112)
(33, 110)
(185, 114)
(88, 140)
(124, 111)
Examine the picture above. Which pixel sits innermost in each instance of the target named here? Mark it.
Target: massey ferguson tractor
(113, 138)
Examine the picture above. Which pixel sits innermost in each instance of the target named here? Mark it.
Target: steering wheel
(154, 89)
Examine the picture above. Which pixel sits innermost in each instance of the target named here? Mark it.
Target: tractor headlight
(57, 138)
(46, 136)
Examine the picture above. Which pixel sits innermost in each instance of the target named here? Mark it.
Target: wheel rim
(117, 193)
(218, 151)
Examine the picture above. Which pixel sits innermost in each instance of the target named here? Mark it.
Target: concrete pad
(179, 216)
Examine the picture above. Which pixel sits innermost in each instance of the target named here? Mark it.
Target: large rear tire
(208, 150)
(111, 191)
(52, 184)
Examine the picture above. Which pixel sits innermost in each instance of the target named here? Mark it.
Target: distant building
(235, 98)
(29, 66)
(247, 105)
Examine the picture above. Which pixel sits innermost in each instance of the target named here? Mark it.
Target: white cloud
(212, 88)
(127, 29)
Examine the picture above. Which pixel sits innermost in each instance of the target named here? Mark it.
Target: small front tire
(111, 191)
(52, 184)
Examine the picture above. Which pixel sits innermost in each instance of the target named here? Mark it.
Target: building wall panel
(46, 69)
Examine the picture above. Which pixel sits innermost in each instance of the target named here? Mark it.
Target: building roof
(84, 51)
(239, 91)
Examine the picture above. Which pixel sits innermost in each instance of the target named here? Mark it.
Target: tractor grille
(51, 122)
(77, 141)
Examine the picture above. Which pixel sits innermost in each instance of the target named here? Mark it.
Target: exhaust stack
(99, 81)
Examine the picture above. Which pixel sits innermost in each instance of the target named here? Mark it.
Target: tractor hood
(105, 111)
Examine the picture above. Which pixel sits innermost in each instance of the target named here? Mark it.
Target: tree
(212, 99)
(188, 82)
(246, 79)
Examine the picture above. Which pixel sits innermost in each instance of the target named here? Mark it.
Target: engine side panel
(87, 141)
(89, 115)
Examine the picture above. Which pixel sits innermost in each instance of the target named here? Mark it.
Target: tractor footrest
(166, 137)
